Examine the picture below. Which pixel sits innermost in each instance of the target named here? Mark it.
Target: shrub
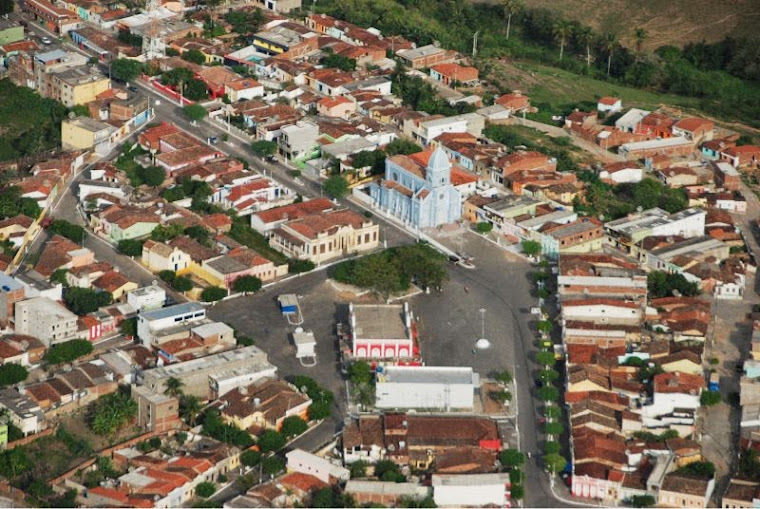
(552, 447)
(709, 398)
(548, 393)
(554, 428)
(205, 489)
(484, 227)
(511, 458)
(182, 284)
(11, 374)
(131, 247)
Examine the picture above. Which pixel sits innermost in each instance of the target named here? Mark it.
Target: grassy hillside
(675, 22)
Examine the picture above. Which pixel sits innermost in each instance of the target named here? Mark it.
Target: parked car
(45, 40)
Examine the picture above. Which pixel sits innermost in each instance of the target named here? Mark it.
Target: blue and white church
(417, 191)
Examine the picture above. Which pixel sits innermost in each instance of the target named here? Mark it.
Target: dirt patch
(491, 407)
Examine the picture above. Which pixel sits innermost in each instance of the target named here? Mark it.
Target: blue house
(416, 192)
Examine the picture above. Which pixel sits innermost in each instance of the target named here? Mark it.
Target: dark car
(132, 88)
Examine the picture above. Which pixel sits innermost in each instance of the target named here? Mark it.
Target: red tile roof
(609, 101)
(693, 124)
(110, 281)
(303, 482)
(677, 382)
(294, 210)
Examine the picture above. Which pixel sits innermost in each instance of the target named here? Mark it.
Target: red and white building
(382, 331)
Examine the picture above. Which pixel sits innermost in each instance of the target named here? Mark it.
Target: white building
(381, 331)
(305, 343)
(299, 141)
(151, 322)
(629, 230)
(631, 120)
(46, 320)
(304, 462)
(603, 310)
(429, 387)
(36, 285)
(622, 173)
(147, 298)
(230, 379)
(23, 412)
(428, 130)
(88, 187)
(471, 490)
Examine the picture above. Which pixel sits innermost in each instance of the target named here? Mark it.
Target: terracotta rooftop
(683, 383)
(294, 210)
(110, 281)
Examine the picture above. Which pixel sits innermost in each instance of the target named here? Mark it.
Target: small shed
(288, 303)
(305, 343)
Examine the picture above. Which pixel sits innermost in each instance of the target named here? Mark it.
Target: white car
(45, 40)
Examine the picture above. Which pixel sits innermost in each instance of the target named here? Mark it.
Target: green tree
(174, 387)
(335, 61)
(198, 233)
(360, 372)
(271, 440)
(129, 327)
(704, 469)
(562, 30)
(511, 458)
(609, 43)
(68, 351)
(11, 374)
(552, 412)
(176, 76)
(324, 498)
(585, 36)
(358, 469)
(205, 489)
(387, 470)
(548, 376)
(263, 148)
(552, 447)
(131, 247)
(167, 276)
(69, 230)
(244, 341)
(246, 284)
(272, 465)
(554, 428)
(195, 90)
(544, 326)
(163, 233)
(250, 458)
(152, 176)
(213, 294)
(554, 462)
(639, 36)
(548, 393)
(296, 266)
(402, 146)
(190, 407)
(83, 301)
(504, 377)
(182, 284)
(531, 248)
(293, 426)
(195, 56)
(111, 413)
(643, 501)
(510, 8)
(6, 7)
(546, 359)
(336, 186)
(664, 284)
(709, 398)
(517, 492)
(195, 112)
(125, 69)
(59, 276)
(484, 227)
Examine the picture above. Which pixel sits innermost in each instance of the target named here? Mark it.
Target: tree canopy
(12, 373)
(247, 284)
(665, 284)
(111, 413)
(336, 186)
(131, 247)
(263, 148)
(125, 69)
(195, 56)
(82, 301)
(195, 112)
(68, 351)
(213, 294)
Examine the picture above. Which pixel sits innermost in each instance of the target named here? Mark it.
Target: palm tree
(562, 29)
(639, 36)
(174, 387)
(609, 43)
(191, 408)
(510, 7)
(585, 36)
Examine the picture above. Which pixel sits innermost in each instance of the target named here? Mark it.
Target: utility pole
(475, 44)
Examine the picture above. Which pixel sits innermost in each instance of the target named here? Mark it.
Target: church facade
(417, 190)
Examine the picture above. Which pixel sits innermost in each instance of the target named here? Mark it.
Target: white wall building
(150, 322)
(472, 490)
(46, 320)
(147, 298)
(429, 387)
(321, 468)
(24, 413)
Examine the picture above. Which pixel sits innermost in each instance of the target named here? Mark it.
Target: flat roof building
(381, 331)
(426, 387)
(196, 374)
(46, 320)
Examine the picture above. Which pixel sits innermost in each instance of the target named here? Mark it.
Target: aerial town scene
(379, 253)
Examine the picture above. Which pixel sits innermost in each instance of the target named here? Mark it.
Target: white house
(631, 120)
(88, 187)
(674, 391)
(609, 104)
(243, 89)
(304, 462)
(471, 490)
(426, 387)
(24, 413)
(602, 310)
(429, 130)
(150, 322)
(627, 172)
(147, 298)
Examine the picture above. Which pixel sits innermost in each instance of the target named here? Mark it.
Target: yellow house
(682, 491)
(79, 85)
(84, 133)
(264, 406)
(115, 284)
